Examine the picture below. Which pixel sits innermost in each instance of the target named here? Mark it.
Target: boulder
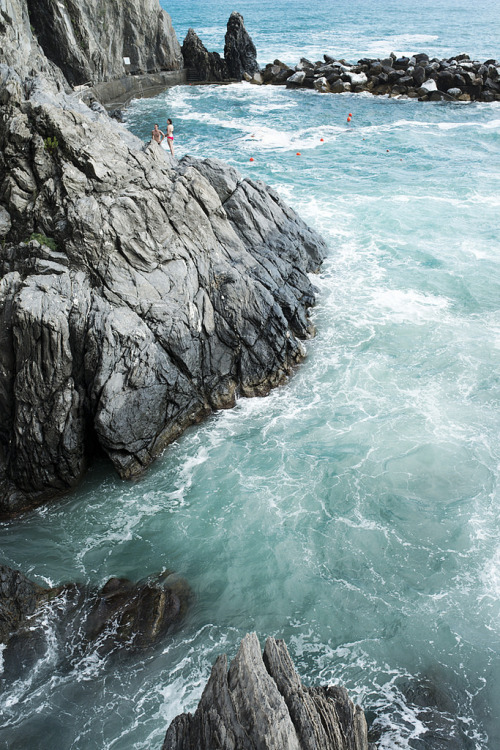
(260, 702)
(322, 85)
(240, 54)
(297, 79)
(427, 87)
(357, 79)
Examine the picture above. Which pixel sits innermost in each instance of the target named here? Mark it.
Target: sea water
(354, 511)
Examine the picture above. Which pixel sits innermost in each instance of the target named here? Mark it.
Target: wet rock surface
(121, 617)
(456, 79)
(137, 293)
(260, 702)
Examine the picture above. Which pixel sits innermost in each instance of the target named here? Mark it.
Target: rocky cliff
(91, 40)
(137, 294)
(260, 702)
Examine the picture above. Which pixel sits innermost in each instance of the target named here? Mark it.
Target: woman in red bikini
(170, 135)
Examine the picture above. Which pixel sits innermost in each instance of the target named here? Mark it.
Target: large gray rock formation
(239, 50)
(137, 294)
(261, 704)
(240, 56)
(202, 64)
(89, 39)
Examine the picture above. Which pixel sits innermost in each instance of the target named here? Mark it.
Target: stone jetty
(417, 77)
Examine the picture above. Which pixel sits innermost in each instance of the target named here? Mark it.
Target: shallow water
(354, 511)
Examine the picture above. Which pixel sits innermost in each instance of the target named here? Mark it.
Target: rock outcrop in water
(260, 702)
(202, 64)
(122, 616)
(137, 294)
(240, 55)
(239, 50)
(457, 79)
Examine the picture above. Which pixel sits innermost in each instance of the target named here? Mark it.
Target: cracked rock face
(239, 50)
(136, 296)
(260, 702)
(89, 39)
(137, 293)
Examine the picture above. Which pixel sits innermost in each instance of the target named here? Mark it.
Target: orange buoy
(251, 158)
(322, 139)
(298, 153)
(350, 114)
(348, 119)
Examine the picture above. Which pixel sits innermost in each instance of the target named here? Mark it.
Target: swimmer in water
(170, 135)
(157, 135)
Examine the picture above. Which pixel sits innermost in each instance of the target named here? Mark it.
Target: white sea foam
(411, 305)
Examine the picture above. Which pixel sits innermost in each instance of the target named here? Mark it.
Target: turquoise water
(355, 511)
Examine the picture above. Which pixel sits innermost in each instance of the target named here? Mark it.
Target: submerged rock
(260, 702)
(122, 616)
(137, 615)
(19, 599)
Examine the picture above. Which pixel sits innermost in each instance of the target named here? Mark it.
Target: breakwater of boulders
(419, 77)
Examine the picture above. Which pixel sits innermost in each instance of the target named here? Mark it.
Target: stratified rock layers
(150, 294)
(260, 703)
(90, 40)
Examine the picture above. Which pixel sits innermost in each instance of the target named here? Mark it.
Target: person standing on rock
(157, 135)
(170, 135)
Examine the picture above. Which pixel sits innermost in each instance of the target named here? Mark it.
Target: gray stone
(5, 222)
(157, 292)
(202, 64)
(297, 79)
(322, 85)
(239, 50)
(261, 703)
(427, 87)
(91, 41)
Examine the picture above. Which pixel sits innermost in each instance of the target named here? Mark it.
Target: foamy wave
(409, 305)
